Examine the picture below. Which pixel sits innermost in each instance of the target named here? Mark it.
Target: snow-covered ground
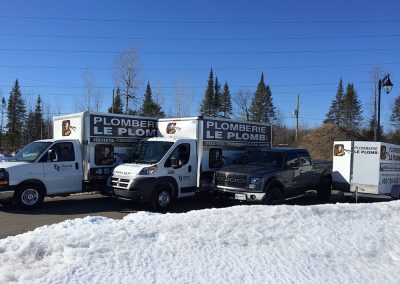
(337, 243)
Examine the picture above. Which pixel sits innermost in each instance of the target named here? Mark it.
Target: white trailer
(182, 159)
(367, 168)
(81, 156)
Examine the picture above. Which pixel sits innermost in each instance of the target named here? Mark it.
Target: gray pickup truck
(270, 175)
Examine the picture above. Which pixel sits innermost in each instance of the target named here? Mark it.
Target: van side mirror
(174, 162)
(49, 155)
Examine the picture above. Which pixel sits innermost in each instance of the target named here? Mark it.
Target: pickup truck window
(292, 160)
(265, 158)
(31, 152)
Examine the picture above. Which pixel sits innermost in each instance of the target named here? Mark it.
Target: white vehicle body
(85, 149)
(207, 143)
(365, 167)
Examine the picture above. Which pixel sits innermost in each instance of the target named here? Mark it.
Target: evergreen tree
(3, 109)
(206, 108)
(335, 113)
(352, 113)
(262, 108)
(150, 107)
(395, 116)
(37, 130)
(16, 118)
(226, 102)
(118, 103)
(217, 98)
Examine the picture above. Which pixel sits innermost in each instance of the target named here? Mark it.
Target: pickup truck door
(291, 175)
(308, 176)
(185, 173)
(62, 168)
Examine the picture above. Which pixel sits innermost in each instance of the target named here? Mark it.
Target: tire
(162, 198)
(324, 191)
(274, 196)
(29, 196)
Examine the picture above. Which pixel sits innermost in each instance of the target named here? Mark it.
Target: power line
(205, 52)
(199, 39)
(158, 21)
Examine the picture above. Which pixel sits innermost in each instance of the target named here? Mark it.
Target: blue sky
(303, 48)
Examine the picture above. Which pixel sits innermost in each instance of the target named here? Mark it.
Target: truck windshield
(31, 152)
(264, 158)
(150, 152)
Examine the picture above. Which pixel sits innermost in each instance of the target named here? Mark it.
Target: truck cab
(162, 169)
(42, 168)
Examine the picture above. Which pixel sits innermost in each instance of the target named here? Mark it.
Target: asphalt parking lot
(15, 221)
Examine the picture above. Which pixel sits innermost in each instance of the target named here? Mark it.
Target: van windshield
(264, 158)
(31, 152)
(151, 152)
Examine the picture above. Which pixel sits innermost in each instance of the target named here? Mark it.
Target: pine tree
(37, 130)
(16, 118)
(335, 113)
(150, 107)
(206, 108)
(217, 98)
(3, 109)
(118, 104)
(226, 102)
(262, 108)
(352, 113)
(395, 116)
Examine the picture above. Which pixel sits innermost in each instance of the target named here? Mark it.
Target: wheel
(324, 191)
(274, 196)
(218, 201)
(29, 196)
(162, 199)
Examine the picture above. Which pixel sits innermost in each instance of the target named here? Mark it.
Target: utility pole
(296, 113)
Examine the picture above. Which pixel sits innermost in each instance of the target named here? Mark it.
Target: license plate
(240, 196)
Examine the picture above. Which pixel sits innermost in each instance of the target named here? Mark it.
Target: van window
(182, 153)
(104, 154)
(61, 152)
(215, 158)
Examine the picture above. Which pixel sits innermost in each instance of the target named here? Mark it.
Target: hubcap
(164, 198)
(29, 196)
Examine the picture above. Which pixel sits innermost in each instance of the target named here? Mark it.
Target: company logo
(233, 180)
(172, 128)
(66, 128)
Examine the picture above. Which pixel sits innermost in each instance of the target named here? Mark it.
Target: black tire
(29, 196)
(162, 198)
(324, 191)
(274, 196)
(219, 201)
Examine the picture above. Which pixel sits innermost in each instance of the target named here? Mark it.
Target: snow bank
(339, 243)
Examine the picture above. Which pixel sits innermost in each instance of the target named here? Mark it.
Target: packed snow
(335, 243)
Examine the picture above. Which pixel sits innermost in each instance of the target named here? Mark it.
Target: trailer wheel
(324, 190)
(274, 196)
(29, 196)
(162, 198)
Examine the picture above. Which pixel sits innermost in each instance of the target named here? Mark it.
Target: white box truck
(366, 168)
(81, 156)
(182, 159)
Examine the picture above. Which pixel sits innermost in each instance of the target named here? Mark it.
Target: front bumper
(6, 194)
(139, 189)
(237, 194)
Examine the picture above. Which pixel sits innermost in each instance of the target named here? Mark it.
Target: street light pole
(387, 86)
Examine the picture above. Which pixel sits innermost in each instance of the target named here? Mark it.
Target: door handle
(76, 165)
(190, 169)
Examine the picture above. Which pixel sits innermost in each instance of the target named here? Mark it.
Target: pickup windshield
(264, 158)
(31, 152)
(151, 152)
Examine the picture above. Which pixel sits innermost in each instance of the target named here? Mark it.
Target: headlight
(148, 170)
(254, 182)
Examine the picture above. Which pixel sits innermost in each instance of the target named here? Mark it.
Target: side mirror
(174, 162)
(49, 154)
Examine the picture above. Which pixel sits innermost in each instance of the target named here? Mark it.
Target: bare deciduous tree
(242, 100)
(92, 98)
(126, 75)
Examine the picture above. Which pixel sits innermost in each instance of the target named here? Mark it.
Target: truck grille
(231, 180)
(120, 182)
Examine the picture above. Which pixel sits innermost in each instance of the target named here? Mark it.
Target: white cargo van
(363, 167)
(182, 159)
(85, 149)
